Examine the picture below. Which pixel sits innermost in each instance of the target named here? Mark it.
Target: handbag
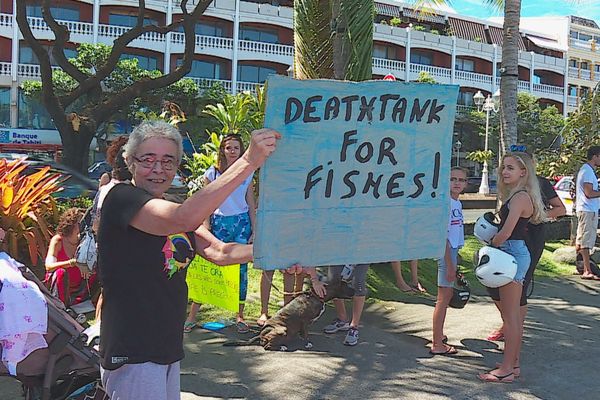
(86, 254)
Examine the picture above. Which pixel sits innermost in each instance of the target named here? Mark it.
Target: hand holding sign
(262, 144)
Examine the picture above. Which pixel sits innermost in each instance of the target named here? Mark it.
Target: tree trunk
(341, 51)
(510, 74)
(76, 147)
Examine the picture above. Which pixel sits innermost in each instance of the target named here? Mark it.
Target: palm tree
(333, 39)
(509, 70)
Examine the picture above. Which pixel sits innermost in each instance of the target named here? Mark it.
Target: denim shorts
(519, 251)
(442, 268)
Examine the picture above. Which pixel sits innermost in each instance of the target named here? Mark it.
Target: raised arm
(161, 217)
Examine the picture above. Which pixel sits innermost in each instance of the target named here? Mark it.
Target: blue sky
(534, 8)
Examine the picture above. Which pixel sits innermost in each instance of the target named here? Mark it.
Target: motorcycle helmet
(485, 228)
(495, 267)
(461, 292)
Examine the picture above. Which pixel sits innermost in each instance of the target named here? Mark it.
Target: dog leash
(283, 292)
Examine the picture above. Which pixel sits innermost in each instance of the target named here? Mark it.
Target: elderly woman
(144, 243)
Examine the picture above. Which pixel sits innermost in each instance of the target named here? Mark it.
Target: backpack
(86, 254)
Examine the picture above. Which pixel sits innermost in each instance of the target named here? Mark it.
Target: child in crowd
(447, 265)
(519, 191)
(233, 221)
(341, 323)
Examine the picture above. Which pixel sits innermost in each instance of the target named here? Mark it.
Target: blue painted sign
(361, 174)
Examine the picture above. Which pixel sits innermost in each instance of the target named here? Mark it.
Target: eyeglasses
(168, 164)
(454, 179)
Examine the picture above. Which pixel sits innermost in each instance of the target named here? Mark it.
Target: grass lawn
(381, 282)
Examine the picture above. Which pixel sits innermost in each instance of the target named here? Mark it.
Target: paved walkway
(561, 351)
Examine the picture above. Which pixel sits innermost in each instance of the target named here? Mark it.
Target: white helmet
(485, 228)
(495, 267)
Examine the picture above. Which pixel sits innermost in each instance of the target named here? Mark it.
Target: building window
(574, 34)
(381, 51)
(253, 73)
(572, 90)
(465, 99)
(129, 20)
(5, 107)
(32, 114)
(144, 62)
(465, 65)
(204, 69)
(61, 13)
(259, 35)
(209, 29)
(573, 63)
(585, 37)
(27, 56)
(584, 65)
(421, 57)
(597, 68)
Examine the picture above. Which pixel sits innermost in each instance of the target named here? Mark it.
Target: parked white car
(564, 187)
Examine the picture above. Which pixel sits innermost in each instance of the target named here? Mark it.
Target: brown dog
(294, 318)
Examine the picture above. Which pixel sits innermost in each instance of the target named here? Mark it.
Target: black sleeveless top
(520, 230)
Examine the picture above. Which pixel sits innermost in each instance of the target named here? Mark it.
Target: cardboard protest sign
(361, 174)
(210, 283)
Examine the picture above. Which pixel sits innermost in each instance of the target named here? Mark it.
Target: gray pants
(359, 277)
(148, 381)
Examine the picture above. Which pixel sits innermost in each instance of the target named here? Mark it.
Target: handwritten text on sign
(360, 176)
(209, 283)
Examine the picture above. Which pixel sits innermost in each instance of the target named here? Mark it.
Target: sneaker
(351, 337)
(336, 326)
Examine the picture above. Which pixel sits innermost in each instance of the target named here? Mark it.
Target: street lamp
(487, 104)
(457, 146)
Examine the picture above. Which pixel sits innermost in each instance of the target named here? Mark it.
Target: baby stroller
(69, 368)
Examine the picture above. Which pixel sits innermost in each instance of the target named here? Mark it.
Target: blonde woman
(519, 192)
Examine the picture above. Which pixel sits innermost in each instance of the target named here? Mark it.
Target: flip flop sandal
(496, 337)
(188, 326)
(449, 351)
(493, 378)
(242, 327)
(516, 370)
(261, 322)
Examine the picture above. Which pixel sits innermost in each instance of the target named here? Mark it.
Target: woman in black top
(519, 192)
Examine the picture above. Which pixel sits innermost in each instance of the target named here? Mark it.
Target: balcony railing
(543, 88)
(572, 101)
(6, 20)
(573, 72)
(585, 74)
(31, 70)
(389, 65)
(436, 72)
(5, 68)
(474, 77)
(266, 48)
(581, 44)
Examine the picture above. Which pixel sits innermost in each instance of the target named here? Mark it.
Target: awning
(423, 15)
(497, 36)
(387, 9)
(467, 30)
(546, 43)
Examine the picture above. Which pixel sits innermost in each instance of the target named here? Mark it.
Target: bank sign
(29, 136)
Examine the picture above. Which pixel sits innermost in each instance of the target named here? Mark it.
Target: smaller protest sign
(210, 283)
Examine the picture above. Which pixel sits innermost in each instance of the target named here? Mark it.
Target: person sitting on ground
(447, 265)
(232, 221)
(415, 285)
(358, 275)
(63, 277)
(144, 245)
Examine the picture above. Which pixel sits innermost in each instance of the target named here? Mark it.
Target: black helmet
(461, 291)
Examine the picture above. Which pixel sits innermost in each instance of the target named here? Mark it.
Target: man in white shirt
(586, 205)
